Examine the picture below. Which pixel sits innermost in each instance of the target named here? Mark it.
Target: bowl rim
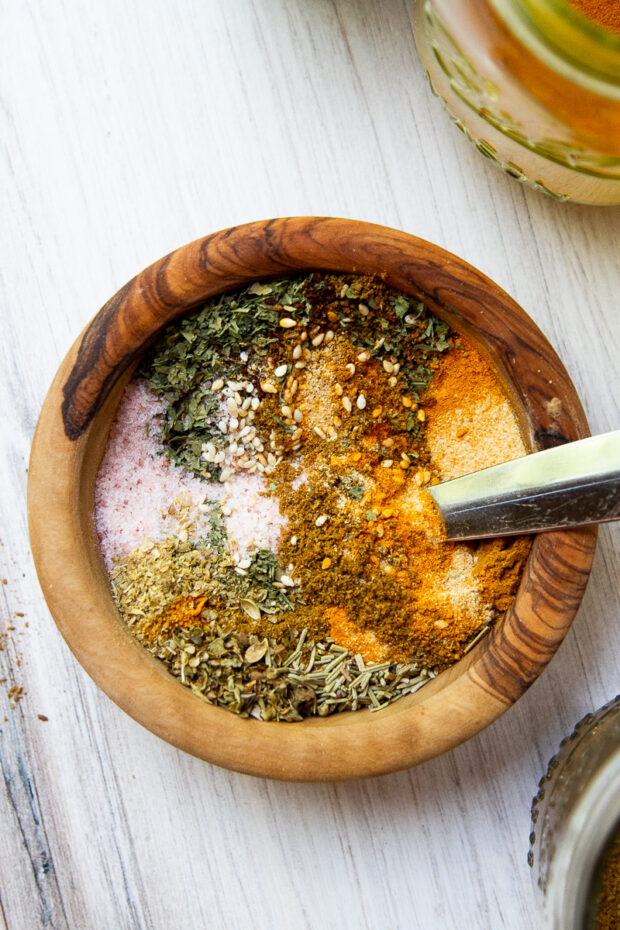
(69, 443)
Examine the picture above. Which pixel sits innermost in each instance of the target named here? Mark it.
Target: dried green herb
(230, 337)
(285, 680)
(207, 345)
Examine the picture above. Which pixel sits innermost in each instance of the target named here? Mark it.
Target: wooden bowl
(70, 441)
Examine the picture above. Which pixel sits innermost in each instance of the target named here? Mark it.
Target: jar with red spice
(534, 84)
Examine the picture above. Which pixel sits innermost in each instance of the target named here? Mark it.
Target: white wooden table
(129, 128)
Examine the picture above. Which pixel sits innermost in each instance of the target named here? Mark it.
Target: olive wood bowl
(70, 441)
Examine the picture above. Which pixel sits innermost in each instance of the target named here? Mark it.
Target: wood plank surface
(127, 130)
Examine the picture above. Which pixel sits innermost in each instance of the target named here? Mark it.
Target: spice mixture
(261, 505)
(603, 12)
(607, 913)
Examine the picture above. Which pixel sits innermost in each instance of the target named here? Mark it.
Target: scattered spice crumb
(554, 408)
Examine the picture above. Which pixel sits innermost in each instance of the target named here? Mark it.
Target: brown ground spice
(607, 915)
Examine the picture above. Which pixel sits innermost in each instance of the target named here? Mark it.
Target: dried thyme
(284, 680)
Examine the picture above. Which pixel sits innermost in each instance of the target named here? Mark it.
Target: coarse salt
(137, 485)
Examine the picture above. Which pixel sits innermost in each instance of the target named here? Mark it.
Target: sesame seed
(298, 415)
(233, 423)
(392, 382)
(287, 581)
(363, 309)
(232, 406)
(338, 389)
(421, 416)
(388, 367)
(297, 352)
(346, 403)
(363, 356)
(268, 387)
(350, 369)
(255, 403)
(217, 385)
(280, 371)
(319, 432)
(316, 342)
(286, 412)
(329, 335)
(287, 323)
(322, 520)
(361, 402)
(387, 463)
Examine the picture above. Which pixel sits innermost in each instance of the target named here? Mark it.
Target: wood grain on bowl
(71, 437)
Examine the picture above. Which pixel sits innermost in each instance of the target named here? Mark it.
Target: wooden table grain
(128, 129)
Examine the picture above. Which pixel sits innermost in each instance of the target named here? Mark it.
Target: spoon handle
(571, 485)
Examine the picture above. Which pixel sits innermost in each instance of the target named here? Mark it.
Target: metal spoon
(571, 485)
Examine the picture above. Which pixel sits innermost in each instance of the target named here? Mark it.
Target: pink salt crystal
(136, 485)
(255, 521)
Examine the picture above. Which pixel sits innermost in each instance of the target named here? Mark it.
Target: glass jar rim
(567, 41)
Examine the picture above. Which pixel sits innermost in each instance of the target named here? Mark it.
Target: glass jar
(575, 817)
(534, 85)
